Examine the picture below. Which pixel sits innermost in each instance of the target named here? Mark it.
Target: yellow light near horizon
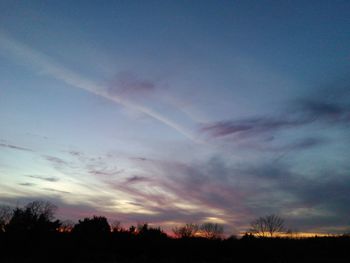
(216, 220)
(298, 235)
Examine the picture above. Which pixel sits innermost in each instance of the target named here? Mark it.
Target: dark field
(122, 247)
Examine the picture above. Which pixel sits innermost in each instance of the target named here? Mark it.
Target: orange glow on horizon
(298, 235)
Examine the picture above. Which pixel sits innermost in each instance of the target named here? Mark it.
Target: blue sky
(178, 111)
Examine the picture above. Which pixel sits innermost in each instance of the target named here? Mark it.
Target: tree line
(39, 216)
(32, 234)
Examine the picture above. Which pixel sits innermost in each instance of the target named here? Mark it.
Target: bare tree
(267, 226)
(116, 226)
(211, 230)
(41, 208)
(5, 216)
(36, 216)
(186, 231)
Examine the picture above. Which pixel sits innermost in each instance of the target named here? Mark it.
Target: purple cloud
(137, 179)
(56, 160)
(248, 126)
(301, 113)
(128, 84)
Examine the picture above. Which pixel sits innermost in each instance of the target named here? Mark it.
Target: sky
(172, 112)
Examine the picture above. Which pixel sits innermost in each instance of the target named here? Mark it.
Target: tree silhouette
(144, 231)
(116, 226)
(97, 225)
(211, 230)
(5, 216)
(186, 231)
(267, 226)
(36, 217)
(132, 229)
(29, 237)
(42, 209)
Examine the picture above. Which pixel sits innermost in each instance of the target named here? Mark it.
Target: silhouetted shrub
(97, 225)
(5, 216)
(144, 231)
(35, 217)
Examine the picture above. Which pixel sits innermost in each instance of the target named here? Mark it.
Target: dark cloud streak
(15, 147)
(302, 113)
(249, 127)
(48, 179)
(127, 84)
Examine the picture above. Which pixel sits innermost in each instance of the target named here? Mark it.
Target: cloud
(240, 193)
(27, 184)
(75, 153)
(45, 65)
(61, 164)
(55, 160)
(305, 200)
(249, 127)
(171, 191)
(127, 84)
(200, 186)
(296, 145)
(56, 190)
(306, 143)
(48, 179)
(142, 159)
(325, 111)
(100, 169)
(14, 147)
(327, 105)
(301, 113)
(137, 179)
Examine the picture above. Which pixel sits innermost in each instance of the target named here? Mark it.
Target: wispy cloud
(137, 179)
(235, 193)
(109, 173)
(296, 145)
(56, 190)
(55, 160)
(75, 153)
(45, 65)
(127, 84)
(249, 126)
(48, 179)
(14, 147)
(27, 184)
(301, 113)
(325, 111)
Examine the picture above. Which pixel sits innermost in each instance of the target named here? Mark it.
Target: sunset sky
(178, 111)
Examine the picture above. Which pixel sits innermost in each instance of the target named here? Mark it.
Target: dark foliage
(34, 218)
(97, 225)
(5, 216)
(151, 233)
(92, 240)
